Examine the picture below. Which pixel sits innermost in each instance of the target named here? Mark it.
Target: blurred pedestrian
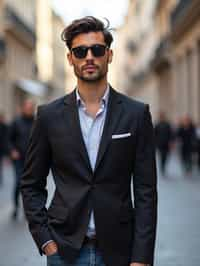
(164, 137)
(19, 133)
(3, 144)
(198, 145)
(91, 219)
(187, 138)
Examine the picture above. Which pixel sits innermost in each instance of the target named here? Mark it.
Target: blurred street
(178, 237)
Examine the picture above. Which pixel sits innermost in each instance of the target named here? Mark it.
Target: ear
(110, 56)
(69, 57)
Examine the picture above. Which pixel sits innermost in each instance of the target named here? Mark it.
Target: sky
(114, 10)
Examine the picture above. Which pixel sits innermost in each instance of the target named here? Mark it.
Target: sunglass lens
(80, 52)
(98, 50)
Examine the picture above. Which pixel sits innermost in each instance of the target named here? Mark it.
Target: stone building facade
(19, 38)
(31, 57)
(162, 56)
(185, 58)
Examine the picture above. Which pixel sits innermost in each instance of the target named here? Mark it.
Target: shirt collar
(104, 99)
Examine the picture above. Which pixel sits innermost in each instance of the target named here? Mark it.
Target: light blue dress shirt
(92, 129)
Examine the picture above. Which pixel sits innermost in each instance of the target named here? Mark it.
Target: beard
(95, 76)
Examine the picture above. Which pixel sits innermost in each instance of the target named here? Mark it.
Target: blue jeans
(88, 256)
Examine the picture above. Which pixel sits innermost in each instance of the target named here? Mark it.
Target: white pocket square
(119, 136)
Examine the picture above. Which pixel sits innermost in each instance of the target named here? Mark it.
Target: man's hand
(51, 248)
(15, 155)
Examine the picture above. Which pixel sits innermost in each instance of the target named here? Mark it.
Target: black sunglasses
(96, 49)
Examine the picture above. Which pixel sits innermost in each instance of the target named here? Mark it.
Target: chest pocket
(121, 143)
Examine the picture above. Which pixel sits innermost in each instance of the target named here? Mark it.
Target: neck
(92, 92)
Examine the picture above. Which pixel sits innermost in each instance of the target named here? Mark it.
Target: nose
(89, 54)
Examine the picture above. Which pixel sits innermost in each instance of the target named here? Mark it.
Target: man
(3, 144)
(20, 129)
(187, 137)
(164, 136)
(93, 139)
(197, 133)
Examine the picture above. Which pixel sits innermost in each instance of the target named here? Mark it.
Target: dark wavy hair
(85, 25)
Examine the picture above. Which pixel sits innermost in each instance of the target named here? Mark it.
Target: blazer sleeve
(145, 192)
(33, 181)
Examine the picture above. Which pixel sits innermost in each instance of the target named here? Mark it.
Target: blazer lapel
(71, 118)
(112, 117)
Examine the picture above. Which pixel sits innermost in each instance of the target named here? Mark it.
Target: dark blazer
(125, 234)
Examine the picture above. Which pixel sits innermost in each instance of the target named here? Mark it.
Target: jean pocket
(55, 260)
